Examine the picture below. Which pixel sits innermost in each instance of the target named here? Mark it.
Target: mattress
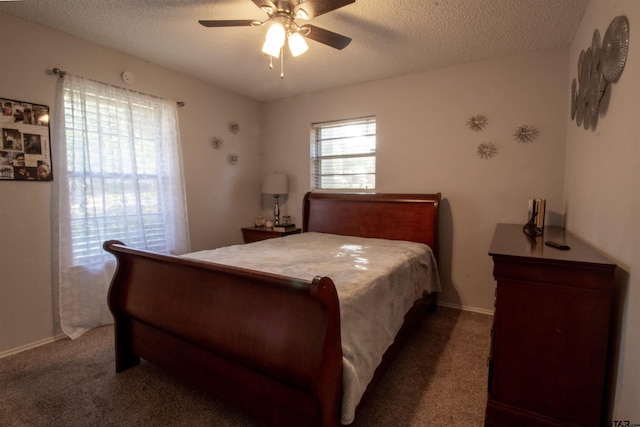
(377, 282)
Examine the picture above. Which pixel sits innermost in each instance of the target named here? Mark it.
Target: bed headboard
(412, 217)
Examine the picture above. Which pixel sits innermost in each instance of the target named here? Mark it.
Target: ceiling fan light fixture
(271, 49)
(275, 40)
(297, 44)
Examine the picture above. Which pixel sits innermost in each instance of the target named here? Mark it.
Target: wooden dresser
(550, 337)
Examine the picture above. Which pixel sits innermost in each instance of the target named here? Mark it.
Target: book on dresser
(286, 227)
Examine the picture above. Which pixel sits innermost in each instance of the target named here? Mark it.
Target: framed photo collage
(25, 144)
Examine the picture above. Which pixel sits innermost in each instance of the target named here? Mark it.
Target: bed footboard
(267, 343)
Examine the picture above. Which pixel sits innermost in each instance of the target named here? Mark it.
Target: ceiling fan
(282, 15)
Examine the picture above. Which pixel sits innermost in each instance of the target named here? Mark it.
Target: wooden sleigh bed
(268, 343)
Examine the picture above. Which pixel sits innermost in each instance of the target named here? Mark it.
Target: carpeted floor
(438, 379)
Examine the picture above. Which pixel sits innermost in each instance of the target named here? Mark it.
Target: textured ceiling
(390, 38)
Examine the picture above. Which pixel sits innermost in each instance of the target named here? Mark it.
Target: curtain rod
(61, 73)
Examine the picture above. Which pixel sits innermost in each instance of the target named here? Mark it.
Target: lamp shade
(275, 183)
(297, 45)
(274, 40)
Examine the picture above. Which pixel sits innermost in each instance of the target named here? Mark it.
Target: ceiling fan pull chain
(270, 62)
(281, 63)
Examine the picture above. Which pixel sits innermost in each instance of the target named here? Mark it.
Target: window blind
(343, 154)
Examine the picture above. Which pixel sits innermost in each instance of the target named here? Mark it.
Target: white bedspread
(377, 282)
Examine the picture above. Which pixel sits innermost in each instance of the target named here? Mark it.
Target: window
(120, 170)
(343, 155)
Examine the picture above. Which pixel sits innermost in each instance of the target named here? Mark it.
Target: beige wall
(424, 145)
(221, 198)
(603, 193)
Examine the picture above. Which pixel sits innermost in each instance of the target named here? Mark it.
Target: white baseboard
(30, 346)
(466, 308)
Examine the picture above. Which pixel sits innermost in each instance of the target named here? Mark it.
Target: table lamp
(276, 184)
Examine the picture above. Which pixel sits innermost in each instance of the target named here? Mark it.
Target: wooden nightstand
(254, 234)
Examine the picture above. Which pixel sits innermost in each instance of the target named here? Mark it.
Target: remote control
(557, 245)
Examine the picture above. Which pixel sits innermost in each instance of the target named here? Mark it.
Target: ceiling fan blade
(231, 23)
(266, 5)
(315, 8)
(327, 37)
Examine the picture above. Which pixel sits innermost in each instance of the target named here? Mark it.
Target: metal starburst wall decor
(526, 134)
(234, 127)
(487, 150)
(233, 158)
(477, 122)
(217, 142)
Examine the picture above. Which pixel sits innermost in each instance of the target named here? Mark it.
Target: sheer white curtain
(119, 176)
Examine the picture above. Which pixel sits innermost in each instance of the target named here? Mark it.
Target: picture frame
(25, 142)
